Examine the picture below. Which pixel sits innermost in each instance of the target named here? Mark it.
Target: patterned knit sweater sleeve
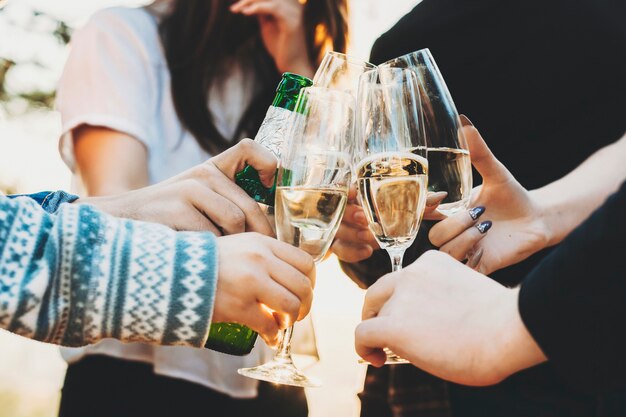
(78, 276)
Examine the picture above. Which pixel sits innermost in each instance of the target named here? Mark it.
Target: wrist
(516, 348)
(105, 204)
(544, 218)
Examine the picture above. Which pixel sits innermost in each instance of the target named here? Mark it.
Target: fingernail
(436, 198)
(484, 226)
(465, 121)
(475, 259)
(476, 212)
(363, 235)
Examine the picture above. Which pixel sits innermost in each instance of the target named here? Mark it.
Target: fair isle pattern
(193, 296)
(148, 284)
(78, 276)
(88, 236)
(193, 282)
(68, 234)
(15, 259)
(100, 293)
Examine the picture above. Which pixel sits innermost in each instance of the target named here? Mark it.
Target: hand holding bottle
(256, 272)
(203, 198)
(282, 30)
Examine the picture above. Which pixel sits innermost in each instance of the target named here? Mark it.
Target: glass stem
(284, 349)
(396, 256)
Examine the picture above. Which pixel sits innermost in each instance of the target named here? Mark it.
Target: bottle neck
(285, 101)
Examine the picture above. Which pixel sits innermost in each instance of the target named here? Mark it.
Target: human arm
(282, 30)
(203, 198)
(457, 324)
(524, 222)
(80, 276)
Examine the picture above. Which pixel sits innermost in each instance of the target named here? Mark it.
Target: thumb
(483, 160)
(370, 338)
(247, 152)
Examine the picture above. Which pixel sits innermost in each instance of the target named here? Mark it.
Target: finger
(247, 152)
(351, 253)
(459, 248)
(448, 229)
(377, 295)
(370, 338)
(295, 257)
(262, 7)
(278, 298)
(432, 203)
(352, 193)
(255, 219)
(262, 321)
(295, 282)
(237, 6)
(483, 160)
(221, 211)
(354, 215)
(356, 235)
(194, 220)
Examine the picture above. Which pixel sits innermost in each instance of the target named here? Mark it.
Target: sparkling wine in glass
(392, 175)
(311, 195)
(450, 168)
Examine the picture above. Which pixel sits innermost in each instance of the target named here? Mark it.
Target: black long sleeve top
(574, 301)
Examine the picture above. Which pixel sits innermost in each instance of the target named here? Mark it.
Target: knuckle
(246, 144)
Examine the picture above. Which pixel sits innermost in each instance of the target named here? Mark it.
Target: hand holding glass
(393, 173)
(311, 194)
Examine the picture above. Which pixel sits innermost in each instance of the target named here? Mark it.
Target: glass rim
(423, 51)
(350, 59)
(314, 91)
(366, 76)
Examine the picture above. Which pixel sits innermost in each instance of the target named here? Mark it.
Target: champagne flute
(450, 168)
(340, 72)
(311, 195)
(392, 176)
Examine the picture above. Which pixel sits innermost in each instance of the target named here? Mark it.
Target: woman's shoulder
(134, 17)
(128, 25)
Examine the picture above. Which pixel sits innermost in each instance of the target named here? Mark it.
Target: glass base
(280, 371)
(392, 359)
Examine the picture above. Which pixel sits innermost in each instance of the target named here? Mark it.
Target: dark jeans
(101, 386)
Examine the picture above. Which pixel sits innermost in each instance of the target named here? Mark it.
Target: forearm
(573, 302)
(567, 202)
(80, 276)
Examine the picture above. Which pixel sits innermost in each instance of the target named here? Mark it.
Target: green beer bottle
(272, 134)
(233, 338)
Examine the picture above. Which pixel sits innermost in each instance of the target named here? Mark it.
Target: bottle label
(274, 129)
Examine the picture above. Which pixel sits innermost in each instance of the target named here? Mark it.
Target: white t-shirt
(117, 77)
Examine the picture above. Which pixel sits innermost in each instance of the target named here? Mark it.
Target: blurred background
(34, 37)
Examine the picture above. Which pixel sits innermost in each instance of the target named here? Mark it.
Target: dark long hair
(201, 38)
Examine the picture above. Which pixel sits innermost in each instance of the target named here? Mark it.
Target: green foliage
(35, 99)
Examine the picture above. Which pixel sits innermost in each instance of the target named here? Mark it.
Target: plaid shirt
(403, 391)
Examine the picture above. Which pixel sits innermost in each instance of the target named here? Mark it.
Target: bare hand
(512, 218)
(282, 30)
(448, 320)
(203, 198)
(256, 272)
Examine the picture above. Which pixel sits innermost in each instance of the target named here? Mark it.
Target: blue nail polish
(484, 226)
(476, 212)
